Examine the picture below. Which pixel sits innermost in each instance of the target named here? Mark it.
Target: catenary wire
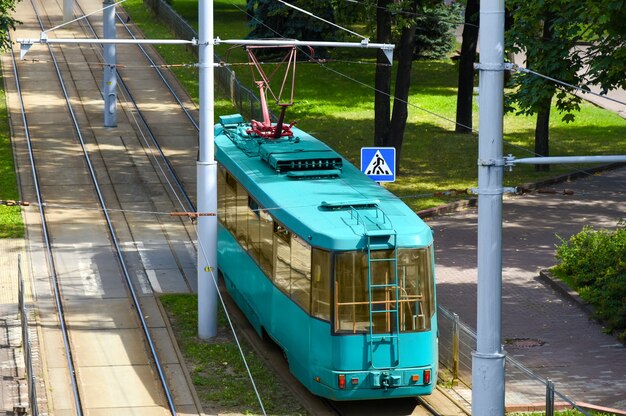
(565, 84)
(84, 16)
(322, 19)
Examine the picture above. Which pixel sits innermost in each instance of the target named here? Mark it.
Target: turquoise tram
(329, 264)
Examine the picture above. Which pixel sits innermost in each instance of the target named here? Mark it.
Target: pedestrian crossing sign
(379, 163)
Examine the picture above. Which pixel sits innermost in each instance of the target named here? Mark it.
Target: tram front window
(412, 287)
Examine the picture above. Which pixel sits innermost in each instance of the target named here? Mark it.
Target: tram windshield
(384, 300)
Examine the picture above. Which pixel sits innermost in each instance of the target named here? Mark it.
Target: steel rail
(169, 166)
(160, 73)
(46, 236)
(428, 407)
(111, 229)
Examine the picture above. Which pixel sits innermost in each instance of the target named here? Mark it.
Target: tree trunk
(465, 93)
(542, 134)
(542, 128)
(382, 82)
(403, 83)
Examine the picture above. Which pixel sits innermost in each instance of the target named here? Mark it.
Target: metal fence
(26, 345)
(245, 100)
(523, 387)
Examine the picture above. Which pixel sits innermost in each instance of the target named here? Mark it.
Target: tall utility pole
(109, 87)
(68, 10)
(488, 359)
(206, 179)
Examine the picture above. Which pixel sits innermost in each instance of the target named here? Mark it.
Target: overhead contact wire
(322, 19)
(565, 84)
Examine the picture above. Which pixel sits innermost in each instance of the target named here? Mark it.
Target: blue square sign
(379, 163)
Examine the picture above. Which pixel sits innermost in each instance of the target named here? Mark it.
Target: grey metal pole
(68, 10)
(206, 179)
(488, 359)
(109, 83)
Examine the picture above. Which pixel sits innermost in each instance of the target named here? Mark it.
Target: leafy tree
(547, 32)
(7, 22)
(436, 24)
(273, 16)
(607, 54)
(411, 24)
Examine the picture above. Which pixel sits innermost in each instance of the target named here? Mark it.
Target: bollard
(455, 347)
(549, 398)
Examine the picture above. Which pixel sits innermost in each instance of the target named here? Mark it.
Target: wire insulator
(193, 214)
(12, 203)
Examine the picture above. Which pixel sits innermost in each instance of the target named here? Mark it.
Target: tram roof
(314, 206)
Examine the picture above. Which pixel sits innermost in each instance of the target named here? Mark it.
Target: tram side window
(266, 254)
(351, 292)
(230, 203)
(320, 284)
(416, 282)
(221, 193)
(254, 238)
(242, 216)
(300, 288)
(282, 257)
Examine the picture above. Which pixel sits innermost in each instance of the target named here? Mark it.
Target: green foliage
(11, 225)
(217, 369)
(273, 19)
(546, 31)
(436, 22)
(607, 53)
(435, 35)
(7, 22)
(594, 263)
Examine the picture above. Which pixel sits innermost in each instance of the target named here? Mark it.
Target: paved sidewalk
(576, 354)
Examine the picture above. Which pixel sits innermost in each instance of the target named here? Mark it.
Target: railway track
(73, 312)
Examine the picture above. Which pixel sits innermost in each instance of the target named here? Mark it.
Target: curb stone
(548, 278)
(473, 202)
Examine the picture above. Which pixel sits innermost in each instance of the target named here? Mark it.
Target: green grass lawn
(335, 102)
(11, 225)
(217, 369)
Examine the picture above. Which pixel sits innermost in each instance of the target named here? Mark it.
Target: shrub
(593, 262)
